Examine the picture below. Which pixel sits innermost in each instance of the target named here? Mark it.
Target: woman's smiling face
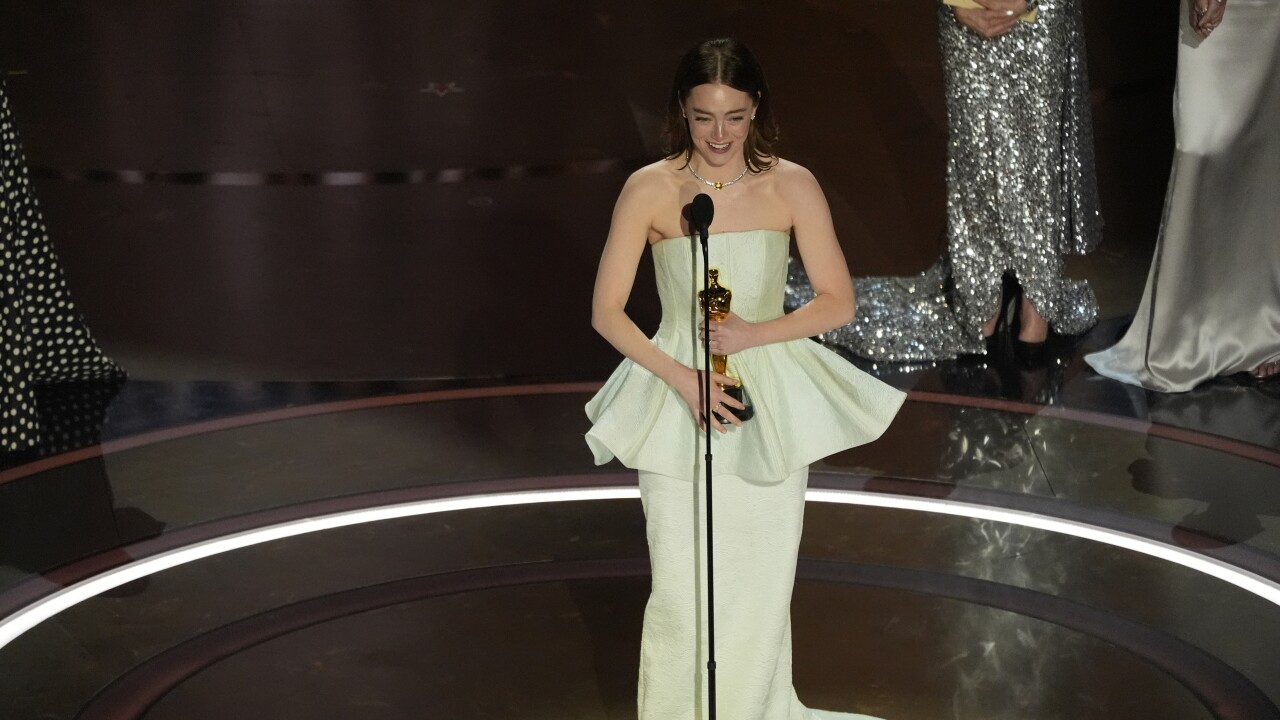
(719, 119)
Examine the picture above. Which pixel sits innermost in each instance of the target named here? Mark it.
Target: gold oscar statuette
(716, 300)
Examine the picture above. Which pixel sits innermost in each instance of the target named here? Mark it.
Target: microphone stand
(706, 415)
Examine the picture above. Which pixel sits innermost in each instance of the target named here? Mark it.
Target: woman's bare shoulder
(659, 176)
(791, 174)
(653, 185)
(798, 191)
(649, 195)
(793, 182)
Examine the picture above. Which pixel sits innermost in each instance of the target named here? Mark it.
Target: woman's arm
(628, 235)
(833, 304)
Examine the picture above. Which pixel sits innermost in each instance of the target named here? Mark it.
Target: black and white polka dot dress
(43, 339)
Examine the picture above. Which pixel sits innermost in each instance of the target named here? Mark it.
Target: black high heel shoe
(1030, 354)
(1010, 297)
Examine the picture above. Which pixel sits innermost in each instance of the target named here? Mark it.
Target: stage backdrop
(366, 188)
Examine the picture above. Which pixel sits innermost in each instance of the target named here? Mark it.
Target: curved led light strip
(18, 623)
(1248, 581)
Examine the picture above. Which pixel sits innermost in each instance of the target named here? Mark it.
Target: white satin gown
(1212, 301)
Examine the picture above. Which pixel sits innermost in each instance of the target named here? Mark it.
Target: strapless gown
(809, 403)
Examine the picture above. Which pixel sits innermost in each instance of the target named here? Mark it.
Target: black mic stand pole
(706, 415)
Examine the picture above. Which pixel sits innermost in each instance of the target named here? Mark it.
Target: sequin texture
(1021, 194)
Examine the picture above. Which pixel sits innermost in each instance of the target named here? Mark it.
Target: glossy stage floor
(350, 190)
(447, 549)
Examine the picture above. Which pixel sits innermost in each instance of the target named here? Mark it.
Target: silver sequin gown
(1021, 194)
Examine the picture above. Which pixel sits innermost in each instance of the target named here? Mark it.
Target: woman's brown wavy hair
(729, 62)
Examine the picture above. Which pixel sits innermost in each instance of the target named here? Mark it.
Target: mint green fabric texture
(809, 401)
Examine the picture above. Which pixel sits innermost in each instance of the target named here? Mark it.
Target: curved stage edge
(1199, 661)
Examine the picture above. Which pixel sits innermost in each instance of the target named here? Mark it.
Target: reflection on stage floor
(446, 549)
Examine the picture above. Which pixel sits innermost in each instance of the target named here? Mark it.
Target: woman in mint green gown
(808, 401)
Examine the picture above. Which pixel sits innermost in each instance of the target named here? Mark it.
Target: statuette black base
(739, 393)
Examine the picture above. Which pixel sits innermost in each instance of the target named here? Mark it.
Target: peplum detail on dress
(809, 402)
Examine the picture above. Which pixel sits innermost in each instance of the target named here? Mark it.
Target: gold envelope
(1030, 17)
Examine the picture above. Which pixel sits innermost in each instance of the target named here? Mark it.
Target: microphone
(701, 210)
